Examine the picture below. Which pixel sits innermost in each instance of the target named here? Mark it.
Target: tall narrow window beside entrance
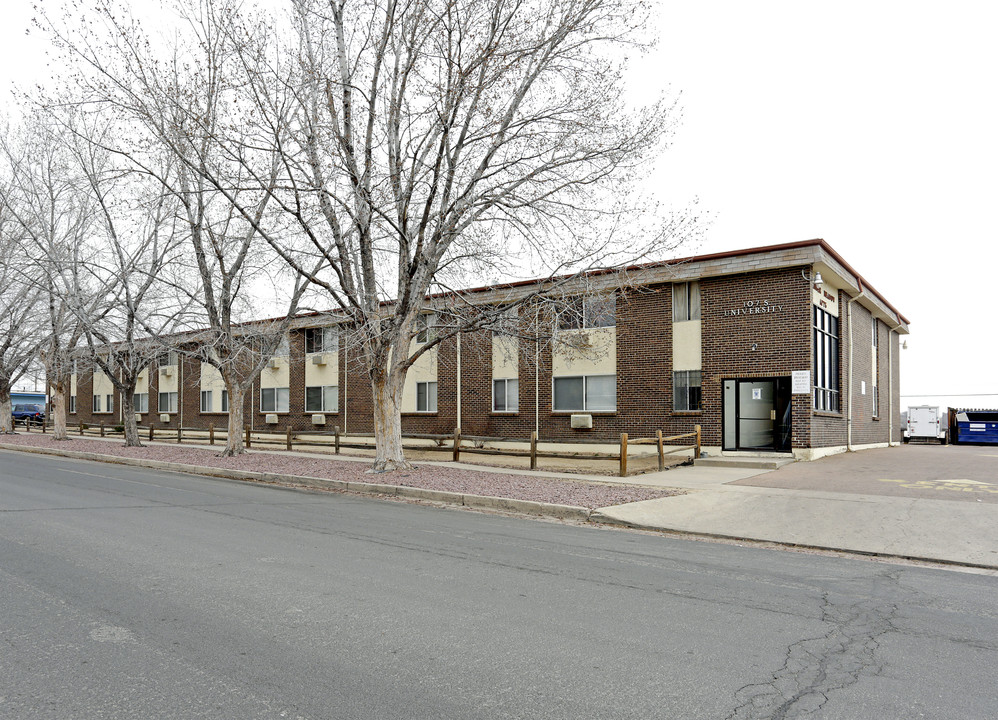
(826, 361)
(686, 390)
(876, 368)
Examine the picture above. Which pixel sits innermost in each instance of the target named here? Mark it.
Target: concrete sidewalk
(947, 531)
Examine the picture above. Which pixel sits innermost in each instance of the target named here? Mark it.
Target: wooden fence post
(248, 439)
(623, 454)
(44, 423)
(661, 450)
(180, 433)
(289, 437)
(457, 444)
(533, 449)
(211, 433)
(102, 428)
(151, 431)
(696, 452)
(336, 439)
(81, 429)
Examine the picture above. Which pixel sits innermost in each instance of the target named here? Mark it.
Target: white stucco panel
(595, 353)
(276, 373)
(505, 356)
(686, 351)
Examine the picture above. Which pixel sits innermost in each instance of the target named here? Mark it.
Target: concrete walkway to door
(936, 503)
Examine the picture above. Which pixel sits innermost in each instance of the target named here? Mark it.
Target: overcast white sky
(873, 125)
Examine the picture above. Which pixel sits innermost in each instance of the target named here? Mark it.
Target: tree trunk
(234, 438)
(128, 418)
(6, 420)
(388, 454)
(59, 409)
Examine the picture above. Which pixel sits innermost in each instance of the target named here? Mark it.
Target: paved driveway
(940, 472)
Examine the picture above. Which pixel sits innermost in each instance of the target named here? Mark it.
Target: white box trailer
(924, 424)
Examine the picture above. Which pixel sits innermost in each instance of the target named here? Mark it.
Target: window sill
(827, 413)
(320, 412)
(687, 413)
(598, 413)
(418, 413)
(504, 413)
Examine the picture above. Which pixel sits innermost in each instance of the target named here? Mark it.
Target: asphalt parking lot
(940, 472)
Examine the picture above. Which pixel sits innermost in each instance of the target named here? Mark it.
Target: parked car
(34, 414)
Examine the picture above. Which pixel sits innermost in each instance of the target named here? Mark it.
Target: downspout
(890, 385)
(537, 375)
(862, 294)
(458, 381)
(346, 376)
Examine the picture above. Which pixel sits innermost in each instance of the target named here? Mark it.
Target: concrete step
(758, 463)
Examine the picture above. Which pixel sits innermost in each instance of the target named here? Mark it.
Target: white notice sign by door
(757, 393)
(800, 382)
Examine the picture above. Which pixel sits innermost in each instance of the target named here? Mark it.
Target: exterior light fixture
(817, 278)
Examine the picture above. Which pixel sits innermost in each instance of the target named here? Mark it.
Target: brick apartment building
(747, 344)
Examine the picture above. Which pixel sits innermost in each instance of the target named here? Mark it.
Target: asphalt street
(127, 593)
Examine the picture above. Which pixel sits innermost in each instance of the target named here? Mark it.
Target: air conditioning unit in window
(272, 363)
(164, 418)
(318, 419)
(585, 339)
(138, 417)
(318, 359)
(167, 371)
(582, 422)
(272, 419)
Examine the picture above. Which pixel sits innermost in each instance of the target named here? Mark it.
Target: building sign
(800, 382)
(825, 300)
(754, 307)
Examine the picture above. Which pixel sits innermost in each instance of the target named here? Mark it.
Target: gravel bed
(431, 477)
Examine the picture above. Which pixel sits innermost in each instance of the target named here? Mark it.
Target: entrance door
(757, 414)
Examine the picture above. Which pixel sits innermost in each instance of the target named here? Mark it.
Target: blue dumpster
(974, 426)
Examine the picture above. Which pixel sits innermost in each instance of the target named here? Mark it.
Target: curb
(478, 502)
(598, 518)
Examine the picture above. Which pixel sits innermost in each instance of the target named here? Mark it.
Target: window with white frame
(98, 404)
(685, 301)
(424, 327)
(168, 402)
(274, 400)
(426, 397)
(140, 402)
(506, 395)
(167, 358)
(585, 393)
(225, 401)
(686, 390)
(321, 340)
(594, 311)
(283, 348)
(322, 398)
(826, 361)
(876, 368)
(72, 403)
(206, 401)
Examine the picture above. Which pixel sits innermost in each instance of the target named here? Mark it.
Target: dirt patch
(431, 477)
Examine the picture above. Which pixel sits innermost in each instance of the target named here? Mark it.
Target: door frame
(778, 382)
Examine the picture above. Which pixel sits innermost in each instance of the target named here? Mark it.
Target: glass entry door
(757, 414)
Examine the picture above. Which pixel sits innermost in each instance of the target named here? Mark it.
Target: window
(588, 312)
(168, 402)
(585, 393)
(283, 348)
(876, 369)
(97, 404)
(685, 301)
(225, 401)
(826, 361)
(72, 403)
(274, 400)
(140, 402)
(167, 358)
(206, 401)
(324, 398)
(321, 340)
(686, 390)
(426, 397)
(109, 403)
(424, 328)
(505, 395)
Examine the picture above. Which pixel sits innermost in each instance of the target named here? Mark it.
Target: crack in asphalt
(815, 667)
